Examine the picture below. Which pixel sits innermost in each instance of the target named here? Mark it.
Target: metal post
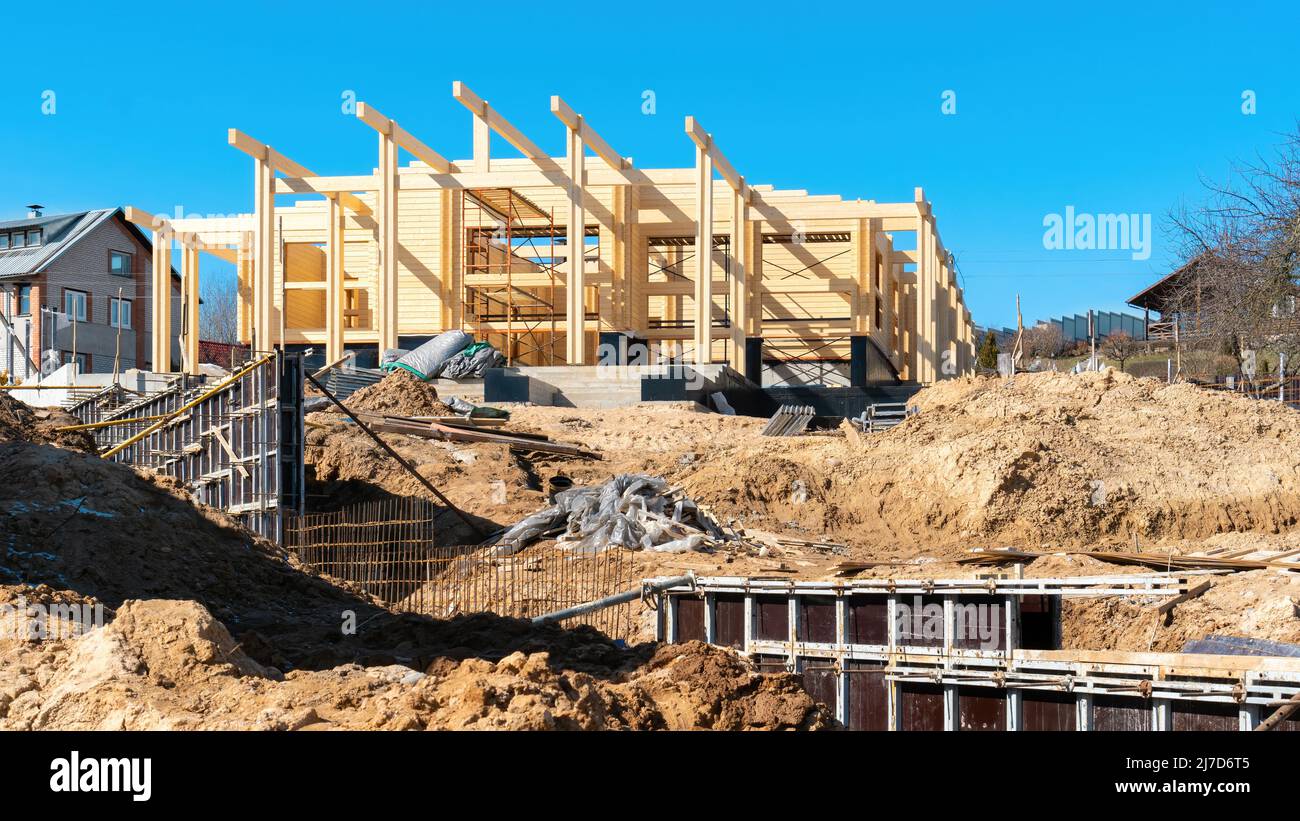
(644, 589)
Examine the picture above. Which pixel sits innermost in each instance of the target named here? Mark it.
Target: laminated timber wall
(379, 257)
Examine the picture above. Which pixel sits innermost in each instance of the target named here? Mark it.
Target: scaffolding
(508, 294)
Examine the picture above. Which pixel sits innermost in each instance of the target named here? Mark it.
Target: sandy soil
(209, 627)
(212, 628)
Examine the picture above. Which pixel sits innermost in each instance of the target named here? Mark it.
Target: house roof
(1155, 296)
(59, 233)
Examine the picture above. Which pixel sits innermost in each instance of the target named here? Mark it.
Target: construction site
(506, 450)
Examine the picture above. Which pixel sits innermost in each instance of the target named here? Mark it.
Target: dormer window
(34, 236)
(4, 242)
(18, 239)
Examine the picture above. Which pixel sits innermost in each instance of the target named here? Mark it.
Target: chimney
(34, 211)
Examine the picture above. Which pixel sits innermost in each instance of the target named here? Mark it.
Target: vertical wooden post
(739, 279)
(388, 327)
(703, 256)
(190, 305)
(264, 266)
(482, 144)
(334, 295)
(576, 311)
(162, 303)
(244, 287)
(924, 300)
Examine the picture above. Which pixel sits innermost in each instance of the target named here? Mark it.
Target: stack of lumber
(472, 430)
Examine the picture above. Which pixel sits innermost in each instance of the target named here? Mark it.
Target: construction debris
(468, 429)
(882, 416)
(1157, 560)
(632, 511)
(789, 420)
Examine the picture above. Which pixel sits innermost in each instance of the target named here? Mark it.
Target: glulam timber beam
(485, 116)
(575, 313)
(576, 122)
(386, 218)
(704, 141)
(369, 115)
(279, 162)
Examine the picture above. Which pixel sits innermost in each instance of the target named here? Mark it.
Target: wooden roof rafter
(279, 162)
(371, 116)
(577, 123)
(704, 140)
(187, 239)
(492, 118)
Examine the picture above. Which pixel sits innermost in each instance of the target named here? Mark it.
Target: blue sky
(1110, 108)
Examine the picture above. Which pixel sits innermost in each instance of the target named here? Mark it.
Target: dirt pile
(400, 393)
(1261, 604)
(20, 422)
(170, 665)
(1051, 460)
(210, 627)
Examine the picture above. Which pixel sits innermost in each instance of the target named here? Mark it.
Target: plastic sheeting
(428, 360)
(631, 510)
(473, 361)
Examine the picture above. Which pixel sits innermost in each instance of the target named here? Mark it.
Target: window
(119, 263)
(82, 360)
(17, 239)
(4, 242)
(34, 236)
(74, 304)
(119, 313)
(24, 300)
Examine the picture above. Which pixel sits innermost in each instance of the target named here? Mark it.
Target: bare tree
(219, 311)
(1044, 340)
(1238, 290)
(1120, 347)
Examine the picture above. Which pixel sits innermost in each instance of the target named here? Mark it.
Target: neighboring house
(1183, 313)
(78, 280)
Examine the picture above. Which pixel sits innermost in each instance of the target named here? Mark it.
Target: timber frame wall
(382, 257)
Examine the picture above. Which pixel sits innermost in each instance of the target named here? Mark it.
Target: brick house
(80, 281)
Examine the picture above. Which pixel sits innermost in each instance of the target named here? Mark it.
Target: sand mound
(400, 393)
(170, 665)
(20, 422)
(210, 627)
(1261, 604)
(1053, 459)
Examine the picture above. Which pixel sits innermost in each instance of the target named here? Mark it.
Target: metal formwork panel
(1118, 713)
(920, 707)
(816, 621)
(1192, 716)
(868, 620)
(236, 445)
(981, 708)
(688, 619)
(773, 618)
(821, 680)
(867, 696)
(729, 620)
(1041, 710)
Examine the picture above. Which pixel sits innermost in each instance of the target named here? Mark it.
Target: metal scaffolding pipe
(647, 587)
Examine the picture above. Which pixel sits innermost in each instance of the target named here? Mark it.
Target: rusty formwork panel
(877, 671)
(238, 446)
